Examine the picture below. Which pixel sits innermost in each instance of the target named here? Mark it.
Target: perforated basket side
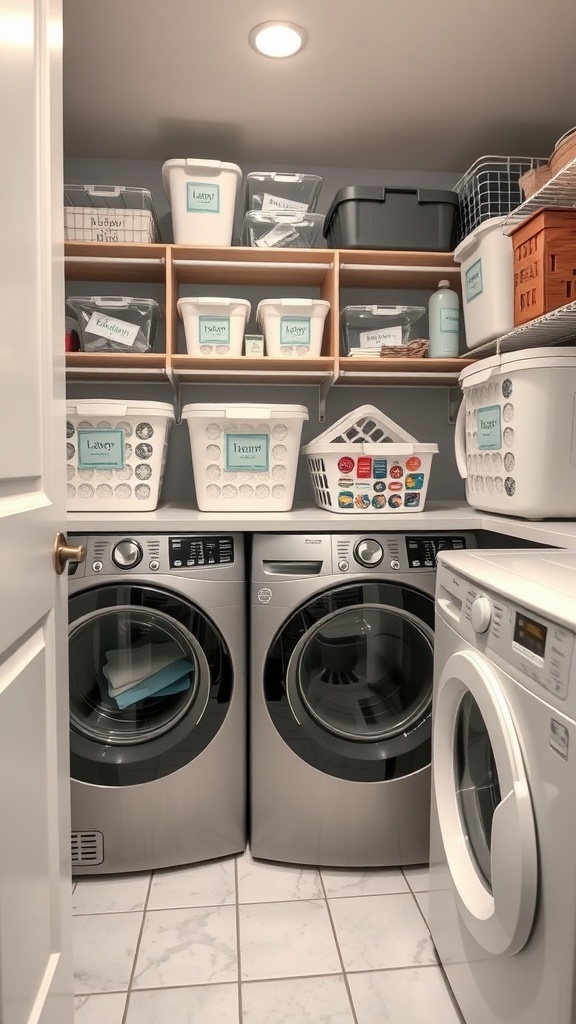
(364, 425)
(317, 469)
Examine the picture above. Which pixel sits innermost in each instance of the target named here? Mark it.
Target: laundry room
(289, 652)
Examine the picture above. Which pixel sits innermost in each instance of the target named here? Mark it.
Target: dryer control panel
(187, 555)
(197, 551)
(395, 552)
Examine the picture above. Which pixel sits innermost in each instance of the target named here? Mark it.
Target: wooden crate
(544, 263)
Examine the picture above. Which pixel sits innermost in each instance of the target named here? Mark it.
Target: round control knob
(394, 564)
(481, 614)
(343, 565)
(154, 565)
(368, 552)
(127, 554)
(97, 566)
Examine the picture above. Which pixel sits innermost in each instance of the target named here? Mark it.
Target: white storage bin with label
(202, 196)
(275, 190)
(109, 213)
(282, 229)
(116, 453)
(113, 323)
(292, 328)
(365, 330)
(486, 259)
(515, 433)
(366, 463)
(244, 457)
(214, 326)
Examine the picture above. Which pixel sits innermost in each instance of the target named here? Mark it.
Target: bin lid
(234, 410)
(283, 176)
(117, 407)
(380, 193)
(490, 226)
(212, 302)
(525, 359)
(293, 304)
(211, 167)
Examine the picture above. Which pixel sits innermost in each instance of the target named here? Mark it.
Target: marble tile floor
(244, 942)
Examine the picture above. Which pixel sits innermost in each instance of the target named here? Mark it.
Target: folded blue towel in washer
(173, 678)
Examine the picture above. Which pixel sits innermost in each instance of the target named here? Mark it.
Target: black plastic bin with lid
(378, 217)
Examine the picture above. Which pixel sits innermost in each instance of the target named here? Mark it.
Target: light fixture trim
(277, 39)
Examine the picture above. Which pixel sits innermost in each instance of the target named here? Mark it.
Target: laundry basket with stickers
(367, 463)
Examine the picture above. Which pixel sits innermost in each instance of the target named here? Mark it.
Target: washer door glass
(150, 683)
(359, 672)
(477, 784)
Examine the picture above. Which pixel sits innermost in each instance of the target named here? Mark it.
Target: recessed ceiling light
(277, 39)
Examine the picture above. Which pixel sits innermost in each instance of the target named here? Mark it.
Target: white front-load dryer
(342, 640)
(157, 656)
(503, 829)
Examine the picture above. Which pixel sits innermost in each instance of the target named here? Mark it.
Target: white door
(35, 917)
(484, 806)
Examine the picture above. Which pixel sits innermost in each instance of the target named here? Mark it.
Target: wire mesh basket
(490, 188)
(109, 213)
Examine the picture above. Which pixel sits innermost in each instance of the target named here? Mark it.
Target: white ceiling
(399, 84)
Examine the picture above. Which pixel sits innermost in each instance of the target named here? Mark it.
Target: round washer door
(150, 683)
(484, 806)
(348, 681)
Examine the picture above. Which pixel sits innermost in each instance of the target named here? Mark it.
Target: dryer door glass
(477, 785)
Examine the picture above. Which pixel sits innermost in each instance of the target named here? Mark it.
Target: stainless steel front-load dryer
(342, 629)
(157, 655)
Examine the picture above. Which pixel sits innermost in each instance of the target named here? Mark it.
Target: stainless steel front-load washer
(157, 654)
(342, 629)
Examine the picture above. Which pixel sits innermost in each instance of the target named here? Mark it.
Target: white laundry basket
(515, 433)
(367, 463)
(202, 195)
(292, 328)
(244, 457)
(214, 326)
(116, 453)
(486, 259)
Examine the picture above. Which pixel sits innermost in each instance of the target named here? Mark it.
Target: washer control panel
(389, 553)
(194, 552)
(155, 554)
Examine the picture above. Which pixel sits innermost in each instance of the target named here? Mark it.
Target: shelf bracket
(454, 398)
(323, 389)
(176, 393)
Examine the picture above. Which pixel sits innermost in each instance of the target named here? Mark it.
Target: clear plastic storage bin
(282, 230)
(244, 457)
(292, 328)
(365, 330)
(109, 213)
(214, 326)
(366, 463)
(271, 191)
(116, 453)
(202, 196)
(112, 323)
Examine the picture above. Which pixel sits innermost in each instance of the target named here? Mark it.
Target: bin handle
(111, 300)
(248, 412)
(459, 440)
(108, 191)
(216, 164)
(376, 448)
(98, 410)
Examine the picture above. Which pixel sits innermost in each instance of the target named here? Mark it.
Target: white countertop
(438, 515)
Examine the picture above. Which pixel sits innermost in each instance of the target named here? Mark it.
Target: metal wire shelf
(559, 191)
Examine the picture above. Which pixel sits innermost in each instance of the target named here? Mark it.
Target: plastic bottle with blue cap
(444, 322)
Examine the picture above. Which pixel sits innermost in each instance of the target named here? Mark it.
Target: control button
(154, 565)
(368, 552)
(127, 554)
(343, 565)
(481, 614)
(97, 566)
(394, 564)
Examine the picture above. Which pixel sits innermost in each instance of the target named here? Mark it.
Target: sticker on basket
(379, 501)
(115, 330)
(202, 197)
(294, 330)
(489, 427)
(380, 468)
(412, 500)
(389, 336)
(214, 330)
(345, 464)
(449, 320)
(362, 501)
(396, 471)
(395, 501)
(414, 482)
(247, 451)
(345, 499)
(395, 485)
(474, 281)
(379, 486)
(345, 481)
(270, 202)
(413, 463)
(100, 449)
(364, 468)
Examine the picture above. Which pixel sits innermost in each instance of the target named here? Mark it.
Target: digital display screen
(196, 552)
(422, 551)
(530, 634)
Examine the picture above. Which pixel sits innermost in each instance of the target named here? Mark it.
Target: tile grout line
(343, 971)
(238, 946)
(137, 950)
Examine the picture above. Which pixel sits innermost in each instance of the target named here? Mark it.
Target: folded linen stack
(146, 670)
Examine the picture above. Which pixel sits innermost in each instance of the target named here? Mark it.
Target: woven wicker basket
(409, 351)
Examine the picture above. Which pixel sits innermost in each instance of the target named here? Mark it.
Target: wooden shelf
(411, 372)
(246, 266)
(116, 365)
(102, 261)
(392, 269)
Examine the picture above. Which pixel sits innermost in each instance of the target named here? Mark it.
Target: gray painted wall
(423, 412)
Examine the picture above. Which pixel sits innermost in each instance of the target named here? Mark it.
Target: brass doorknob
(64, 552)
